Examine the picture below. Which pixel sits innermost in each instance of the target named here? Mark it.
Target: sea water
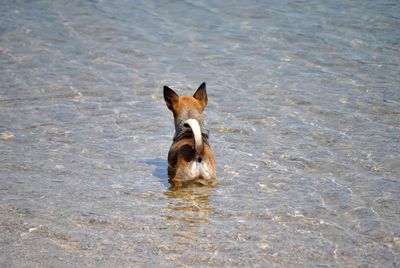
(303, 114)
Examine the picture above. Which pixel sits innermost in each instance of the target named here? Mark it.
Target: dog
(190, 157)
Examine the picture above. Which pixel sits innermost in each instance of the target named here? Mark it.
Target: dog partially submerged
(190, 157)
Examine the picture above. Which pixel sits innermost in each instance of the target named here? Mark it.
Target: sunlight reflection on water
(303, 116)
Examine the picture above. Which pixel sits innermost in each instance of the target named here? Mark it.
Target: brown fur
(182, 153)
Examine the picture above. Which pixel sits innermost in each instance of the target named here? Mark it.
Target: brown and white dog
(190, 157)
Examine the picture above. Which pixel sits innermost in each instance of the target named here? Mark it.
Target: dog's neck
(179, 123)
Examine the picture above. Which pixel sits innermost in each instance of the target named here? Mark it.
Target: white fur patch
(194, 125)
(200, 170)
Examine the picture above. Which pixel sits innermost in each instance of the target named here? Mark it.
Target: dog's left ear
(170, 97)
(201, 94)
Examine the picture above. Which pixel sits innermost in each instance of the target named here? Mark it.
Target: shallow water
(303, 113)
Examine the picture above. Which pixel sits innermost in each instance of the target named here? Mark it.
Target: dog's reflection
(190, 202)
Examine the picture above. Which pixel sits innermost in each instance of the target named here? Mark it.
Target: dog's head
(186, 107)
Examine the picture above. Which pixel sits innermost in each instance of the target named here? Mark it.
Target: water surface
(303, 113)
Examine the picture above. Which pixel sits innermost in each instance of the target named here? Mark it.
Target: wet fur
(185, 163)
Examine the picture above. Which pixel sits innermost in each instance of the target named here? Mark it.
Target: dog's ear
(201, 94)
(170, 97)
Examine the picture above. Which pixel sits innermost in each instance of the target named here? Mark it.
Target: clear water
(304, 117)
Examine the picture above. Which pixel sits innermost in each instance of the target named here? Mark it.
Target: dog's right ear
(201, 94)
(170, 97)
